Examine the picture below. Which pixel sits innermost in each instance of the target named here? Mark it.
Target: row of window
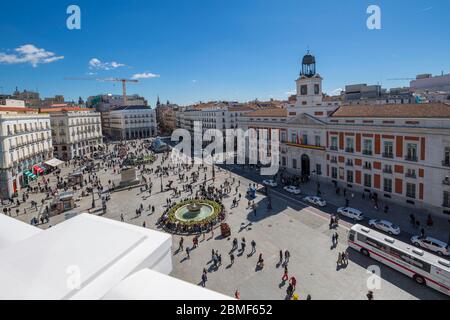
(367, 148)
(26, 127)
(367, 181)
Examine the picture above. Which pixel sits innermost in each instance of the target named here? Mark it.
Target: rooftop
(428, 110)
(275, 112)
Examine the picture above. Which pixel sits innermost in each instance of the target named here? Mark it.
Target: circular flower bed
(177, 220)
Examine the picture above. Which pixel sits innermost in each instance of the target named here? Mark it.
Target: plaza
(288, 225)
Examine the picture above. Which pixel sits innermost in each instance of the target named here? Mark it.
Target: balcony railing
(388, 155)
(446, 163)
(411, 175)
(367, 152)
(349, 150)
(386, 170)
(334, 148)
(367, 167)
(333, 161)
(411, 158)
(349, 164)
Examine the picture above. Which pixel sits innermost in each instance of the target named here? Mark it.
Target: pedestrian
(293, 281)
(180, 247)
(336, 237)
(232, 258)
(333, 239)
(237, 295)
(253, 243)
(204, 279)
(287, 256)
(369, 295)
(422, 233)
(285, 274)
(281, 256)
(187, 252)
(339, 260)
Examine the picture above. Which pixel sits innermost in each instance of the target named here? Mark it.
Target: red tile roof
(17, 109)
(49, 110)
(426, 110)
(274, 112)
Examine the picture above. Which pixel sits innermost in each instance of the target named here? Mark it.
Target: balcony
(349, 150)
(446, 163)
(334, 148)
(412, 158)
(411, 175)
(367, 152)
(387, 170)
(367, 167)
(349, 164)
(305, 146)
(333, 161)
(388, 155)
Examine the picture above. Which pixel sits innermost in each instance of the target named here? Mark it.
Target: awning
(30, 175)
(54, 162)
(38, 169)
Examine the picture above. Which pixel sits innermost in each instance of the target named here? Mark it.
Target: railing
(333, 161)
(410, 175)
(388, 155)
(411, 158)
(349, 150)
(334, 148)
(446, 163)
(349, 164)
(367, 167)
(367, 152)
(385, 170)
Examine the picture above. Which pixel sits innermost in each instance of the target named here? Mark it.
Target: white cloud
(336, 92)
(29, 54)
(95, 63)
(144, 75)
(290, 93)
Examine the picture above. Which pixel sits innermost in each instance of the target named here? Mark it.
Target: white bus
(425, 268)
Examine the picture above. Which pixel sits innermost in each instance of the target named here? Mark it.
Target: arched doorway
(306, 166)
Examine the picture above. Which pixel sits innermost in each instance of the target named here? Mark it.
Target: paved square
(288, 226)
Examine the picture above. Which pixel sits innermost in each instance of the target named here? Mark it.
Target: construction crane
(124, 84)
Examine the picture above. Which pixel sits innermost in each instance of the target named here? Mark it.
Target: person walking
(369, 295)
(253, 243)
(232, 258)
(293, 281)
(204, 279)
(237, 295)
(180, 244)
(287, 257)
(285, 274)
(187, 253)
(336, 237)
(281, 256)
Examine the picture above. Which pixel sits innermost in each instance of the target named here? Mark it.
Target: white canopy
(54, 162)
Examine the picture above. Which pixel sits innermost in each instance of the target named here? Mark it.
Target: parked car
(270, 183)
(351, 213)
(432, 244)
(318, 201)
(292, 189)
(385, 226)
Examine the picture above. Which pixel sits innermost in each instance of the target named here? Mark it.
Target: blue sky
(219, 50)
